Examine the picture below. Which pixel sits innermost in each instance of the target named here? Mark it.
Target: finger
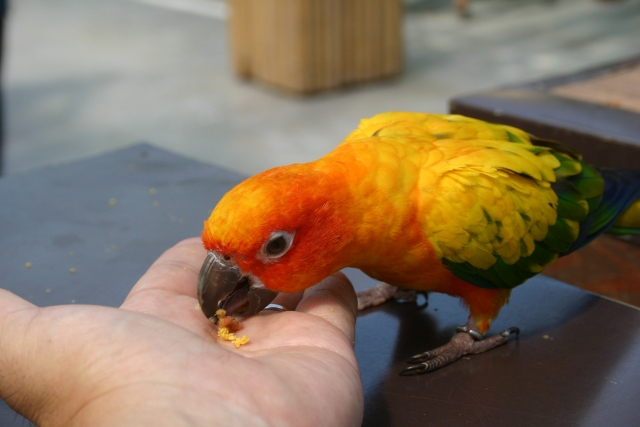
(333, 300)
(288, 301)
(176, 271)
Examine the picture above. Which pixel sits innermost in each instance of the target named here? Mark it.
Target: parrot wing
(499, 204)
(500, 210)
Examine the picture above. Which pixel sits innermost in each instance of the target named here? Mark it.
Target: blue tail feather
(622, 188)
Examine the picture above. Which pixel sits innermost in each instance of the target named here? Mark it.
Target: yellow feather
(477, 254)
(630, 218)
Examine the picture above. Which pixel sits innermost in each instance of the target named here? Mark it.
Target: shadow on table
(571, 342)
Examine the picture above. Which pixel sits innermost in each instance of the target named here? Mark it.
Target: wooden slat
(318, 60)
(278, 69)
(374, 40)
(348, 41)
(334, 44)
(367, 38)
(239, 35)
(256, 44)
(292, 48)
(306, 52)
(392, 39)
(359, 31)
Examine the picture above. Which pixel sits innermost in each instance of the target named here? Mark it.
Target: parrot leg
(466, 341)
(383, 292)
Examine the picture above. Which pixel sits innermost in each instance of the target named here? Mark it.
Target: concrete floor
(87, 76)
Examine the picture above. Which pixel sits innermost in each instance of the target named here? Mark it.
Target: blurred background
(83, 77)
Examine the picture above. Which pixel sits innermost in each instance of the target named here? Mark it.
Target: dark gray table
(577, 362)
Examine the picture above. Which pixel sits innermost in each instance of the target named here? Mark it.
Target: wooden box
(308, 46)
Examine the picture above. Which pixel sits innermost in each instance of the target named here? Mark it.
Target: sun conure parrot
(440, 203)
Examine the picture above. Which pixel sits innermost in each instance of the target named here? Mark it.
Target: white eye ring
(278, 244)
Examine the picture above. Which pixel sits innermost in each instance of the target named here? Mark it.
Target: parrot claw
(465, 342)
(421, 357)
(419, 369)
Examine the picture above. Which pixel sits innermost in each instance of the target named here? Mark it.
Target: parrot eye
(278, 244)
(275, 246)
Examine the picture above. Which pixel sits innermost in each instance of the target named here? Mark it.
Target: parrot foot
(382, 293)
(466, 341)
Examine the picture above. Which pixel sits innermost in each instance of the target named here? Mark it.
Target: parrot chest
(414, 265)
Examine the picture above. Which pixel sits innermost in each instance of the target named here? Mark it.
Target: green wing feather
(579, 189)
(506, 204)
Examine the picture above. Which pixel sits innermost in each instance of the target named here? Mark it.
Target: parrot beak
(222, 285)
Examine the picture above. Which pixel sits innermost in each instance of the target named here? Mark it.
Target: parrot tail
(619, 210)
(622, 195)
(616, 210)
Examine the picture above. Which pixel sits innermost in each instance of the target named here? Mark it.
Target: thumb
(333, 300)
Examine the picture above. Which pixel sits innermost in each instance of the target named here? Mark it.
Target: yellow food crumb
(72, 270)
(112, 202)
(225, 334)
(152, 191)
(155, 204)
(28, 264)
(197, 307)
(71, 253)
(48, 291)
(230, 336)
(546, 337)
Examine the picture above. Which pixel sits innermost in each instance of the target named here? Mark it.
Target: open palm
(157, 361)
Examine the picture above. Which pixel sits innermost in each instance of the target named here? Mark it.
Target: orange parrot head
(280, 231)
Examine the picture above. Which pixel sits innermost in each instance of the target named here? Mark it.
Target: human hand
(156, 360)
